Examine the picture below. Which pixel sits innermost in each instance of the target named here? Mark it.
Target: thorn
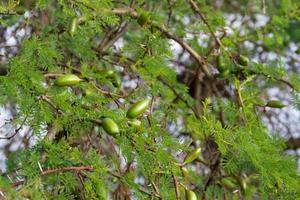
(41, 169)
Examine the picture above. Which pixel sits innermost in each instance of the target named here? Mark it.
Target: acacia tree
(151, 99)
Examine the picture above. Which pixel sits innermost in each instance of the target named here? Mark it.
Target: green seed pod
(185, 172)
(138, 108)
(144, 18)
(190, 195)
(110, 73)
(134, 122)
(243, 60)
(244, 185)
(67, 80)
(73, 26)
(192, 156)
(275, 104)
(110, 126)
(225, 73)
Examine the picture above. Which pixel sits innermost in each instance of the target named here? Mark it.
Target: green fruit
(110, 126)
(110, 73)
(67, 80)
(138, 108)
(244, 184)
(144, 18)
(225, 73)
(184, 171)
(192, 156)
(243, 60)
(190, 195)
(134, 122)
(73, 26)
(275, 104)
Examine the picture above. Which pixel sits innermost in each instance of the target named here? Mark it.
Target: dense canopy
(148, 99)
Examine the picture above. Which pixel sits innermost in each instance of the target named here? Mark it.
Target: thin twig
(197, 10)
(48, 100)
(103, 91)
(16, 130)
(201, 61)
(141, 189)
(59, 111)
(179, 96)
(66, 169)
(176, 186)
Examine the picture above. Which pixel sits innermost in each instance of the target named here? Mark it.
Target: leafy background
(236, 145)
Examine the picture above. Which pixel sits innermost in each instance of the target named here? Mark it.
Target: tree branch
(201, 61)
(16, 130)
(198, 12)
(65, 169)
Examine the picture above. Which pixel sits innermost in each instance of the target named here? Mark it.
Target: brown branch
(103, 91)
(48, 100)
(155, 187)
(114, 37)
(185, 46)
(141, 189)
(16, 184)
(198, 12)
(16, 130)
(176, 186)
(178, 95)
(59, 111)
(287, 83)
(66, 169)
(82, 168)
(165, 32)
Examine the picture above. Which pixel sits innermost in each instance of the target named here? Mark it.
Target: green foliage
(239, 157)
